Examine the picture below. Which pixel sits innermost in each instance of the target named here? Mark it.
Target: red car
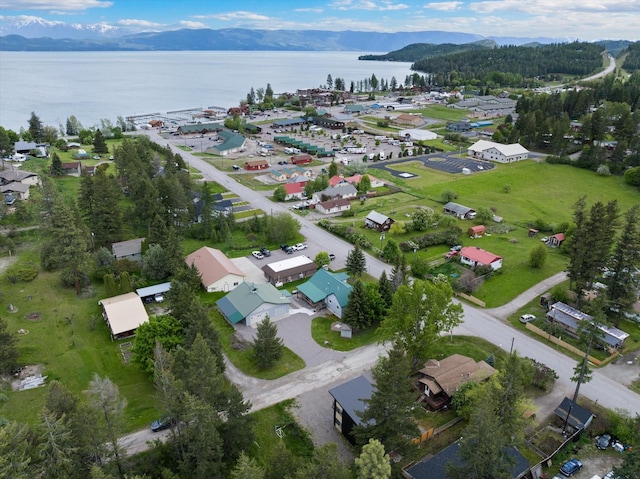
(450, 254)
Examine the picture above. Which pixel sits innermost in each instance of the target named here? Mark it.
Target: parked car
(164, 422)
(545, 239)
(265, 252)
(257, 254)
(603, 441)
(457, 247)
(284, 246)
(450, 254)
(611, 475)
(570, 467)
(289, 250)
(300, 246)
(527, 318)
(332, 256)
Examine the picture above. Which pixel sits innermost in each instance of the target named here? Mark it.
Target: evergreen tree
(35, 128)
(99, 145)
(355, 313)
(620, 281)
(388, 416)
(373, 462)
(400, 273)
(325, 464)
(105, 218)
(333, 168)
(247, 468)
(111, 289)
(267, 348)
(8, 350)
(356, 263)
(386, 289)
(56, 165)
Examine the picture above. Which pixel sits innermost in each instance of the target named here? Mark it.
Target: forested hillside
(632, 59)
(418, 51)
(513, 66)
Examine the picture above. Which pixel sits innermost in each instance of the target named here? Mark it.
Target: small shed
(344, 329)
(476, 231)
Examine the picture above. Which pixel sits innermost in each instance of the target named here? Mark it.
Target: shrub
(541, 375)
(23, 272)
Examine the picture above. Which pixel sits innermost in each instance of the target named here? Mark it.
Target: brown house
(476, 231)
(253, 165)
(440, 379)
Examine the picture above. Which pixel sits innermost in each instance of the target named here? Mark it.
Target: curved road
(487, 324)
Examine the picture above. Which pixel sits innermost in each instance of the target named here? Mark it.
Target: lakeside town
(280, 223)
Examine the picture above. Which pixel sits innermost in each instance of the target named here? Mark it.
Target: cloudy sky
(567, 19)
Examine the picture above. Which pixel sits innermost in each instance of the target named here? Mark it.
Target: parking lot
(449, 163)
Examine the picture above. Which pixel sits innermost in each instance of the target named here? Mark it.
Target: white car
(300, 246)
(257, 254)
(527, 318)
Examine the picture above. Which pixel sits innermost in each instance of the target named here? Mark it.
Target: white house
(488, 150)
(218, 272)
(474, 257)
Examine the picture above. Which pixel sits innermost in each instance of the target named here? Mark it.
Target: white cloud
(190, 24)
(444, 6)
(537, 7)
(238, 15)
(384, 5)
(132, 22)
(308, 10)
(55, 5)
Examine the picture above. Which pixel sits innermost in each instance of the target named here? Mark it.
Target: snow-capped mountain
(36, 27)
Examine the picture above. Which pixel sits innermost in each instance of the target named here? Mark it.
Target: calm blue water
(96, 85)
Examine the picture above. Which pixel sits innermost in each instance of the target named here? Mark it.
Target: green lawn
(442, 112)
(72, 342)
(322, 334)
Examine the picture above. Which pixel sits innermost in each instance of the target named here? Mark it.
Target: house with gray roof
(435, 467)
(130, 249)
(326, 290)
(349, 400)
(340, 191)
(253, 302)
(378, 221)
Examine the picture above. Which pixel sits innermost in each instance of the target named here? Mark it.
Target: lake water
(96, 85)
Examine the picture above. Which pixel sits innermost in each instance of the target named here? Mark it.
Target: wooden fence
(560, 342)
(473, 299)
(434, 431)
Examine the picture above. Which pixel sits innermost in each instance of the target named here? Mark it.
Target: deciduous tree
(419, 313)
(321, 259)
(163, 329)
(538, 256)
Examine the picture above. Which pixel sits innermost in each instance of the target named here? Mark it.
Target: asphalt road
(481, 323)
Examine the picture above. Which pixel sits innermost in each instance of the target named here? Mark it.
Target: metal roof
(153, 290)
(351, 396)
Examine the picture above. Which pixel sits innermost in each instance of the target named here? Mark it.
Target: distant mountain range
(57, 36)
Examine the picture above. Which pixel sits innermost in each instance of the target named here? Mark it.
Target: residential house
(123, 314)
(459, 211)
(284, 174)
(378, 221)
(333, 206)
(293, 191)
(301, 159)
(355, 109)
(218, 273)
(439, 380)
(15, 190)
(130, 249)
(476, 231)
(569, 318)
(253, 302)
(11, 175)
(336, 180)
(24, 146)
(326, 290)
(489, 150)
(474, 256)
(406, 119)
(435, 466)
(340, 191)
(291, 269)
(349, 400)
(556, 240)
(254, 165)
(300, 180)
(459, 126)
(572, 417)
(356, 179)
(231, 143)
(72, 168)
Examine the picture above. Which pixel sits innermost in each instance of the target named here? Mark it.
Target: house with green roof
(252, 302)
(231, 143)
(326, 290)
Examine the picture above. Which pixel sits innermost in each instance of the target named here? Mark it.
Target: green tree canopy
(163, 329)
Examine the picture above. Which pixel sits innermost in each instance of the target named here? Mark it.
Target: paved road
(479, 323)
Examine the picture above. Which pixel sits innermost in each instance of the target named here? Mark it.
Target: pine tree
(8, 350)
(56, 165)
(356, 263)
(373, 462)
(267, 348)
(355, 313)
(35, 128)
(400, 273)
(99, 145)
(388, 415)
(386, 289)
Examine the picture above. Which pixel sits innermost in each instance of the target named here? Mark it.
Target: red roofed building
(556, 240)
(336, 180)
(474, 257)
(293, 191)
